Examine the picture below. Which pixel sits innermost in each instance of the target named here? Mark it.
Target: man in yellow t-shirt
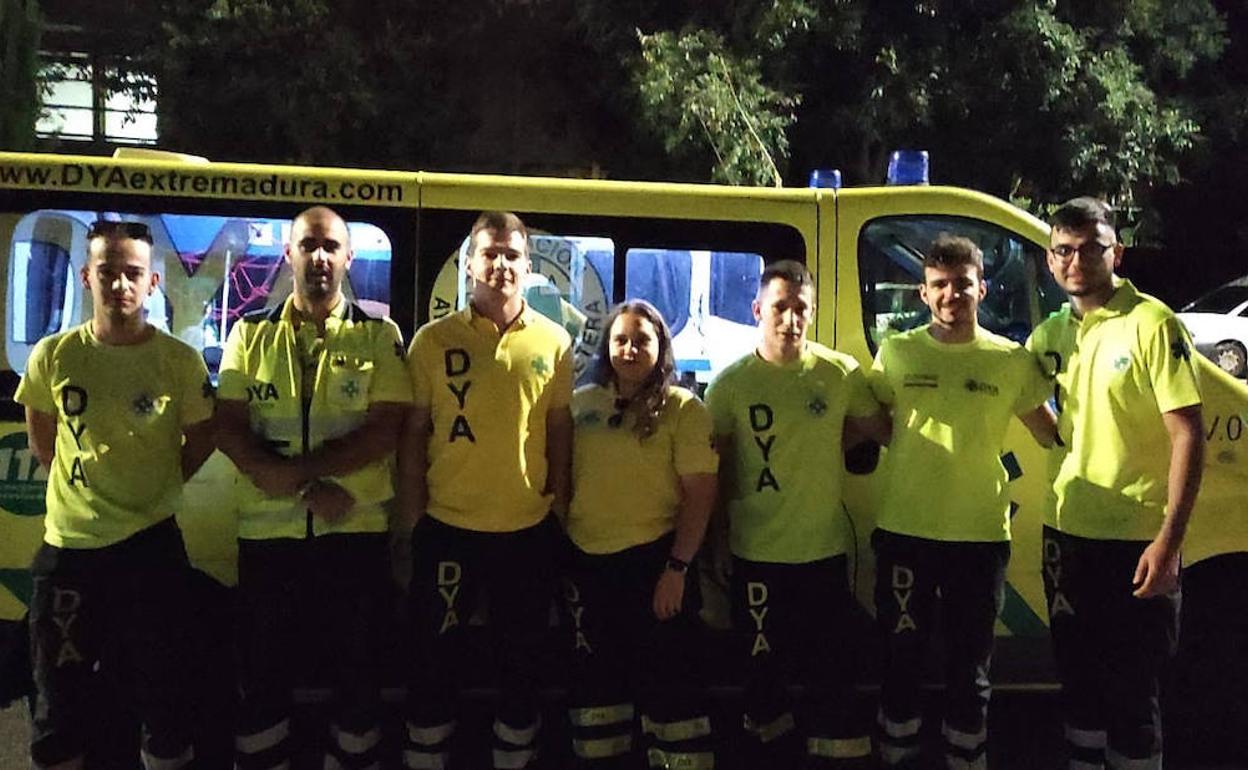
(778, 415)
(119, 412)
(312, 393)
(1123, 493)
(942, 546)
(484, 463)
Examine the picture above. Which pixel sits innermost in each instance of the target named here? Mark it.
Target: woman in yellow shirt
(643, 487)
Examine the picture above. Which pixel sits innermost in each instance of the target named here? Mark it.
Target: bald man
(313, 392)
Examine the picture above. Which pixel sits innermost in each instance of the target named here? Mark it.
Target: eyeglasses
(107, 228)
(1088, 252)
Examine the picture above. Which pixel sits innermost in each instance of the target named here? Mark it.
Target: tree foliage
(19, 81)
(705, 96)
(1028, 96)
(1032, 98)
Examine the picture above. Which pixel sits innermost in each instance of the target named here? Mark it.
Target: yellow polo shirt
(1131, 362)
(785, 423)
(952, 404)
(120, 411)
(488, 395)
(1052, 343)
(626, 490)
(271, 365)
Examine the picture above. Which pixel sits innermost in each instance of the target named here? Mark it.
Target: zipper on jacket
(307, 415)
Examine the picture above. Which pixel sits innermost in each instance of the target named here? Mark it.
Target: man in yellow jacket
(312, 393)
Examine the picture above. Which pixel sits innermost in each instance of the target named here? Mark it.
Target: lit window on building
(84, 101)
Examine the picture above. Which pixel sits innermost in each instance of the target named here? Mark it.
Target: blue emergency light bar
(906, 167)
(825, 177)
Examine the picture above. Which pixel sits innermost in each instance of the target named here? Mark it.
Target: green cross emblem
(539, 365)
(350, 389)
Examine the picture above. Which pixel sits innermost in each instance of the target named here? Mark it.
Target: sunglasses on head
(108, 228)
(617, 419)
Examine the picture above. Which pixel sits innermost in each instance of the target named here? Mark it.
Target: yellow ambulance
(695, 251)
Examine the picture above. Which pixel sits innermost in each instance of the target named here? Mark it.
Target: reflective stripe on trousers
(839, 748)
(513, 759)
(516, 736)
(596, 716)
(429, 735)
(333, 763)
(514, 748)
(602, 748)
(414, 759)
(776, 728)
(168, 763)
(673, 732)
(427, 746)
(355, 743)
(899, 741)
(1116, 761)
(680, 760)
(264, 739)
(965, 751)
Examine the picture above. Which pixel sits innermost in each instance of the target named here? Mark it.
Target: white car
(1218, 323)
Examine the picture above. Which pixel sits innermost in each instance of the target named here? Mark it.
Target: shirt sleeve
(391, 382)
(35, 388)
(693, 451)
(862, 402)
(877, 380)
(418, 371)
(719, 405)
(232, 379)
(561, 383)
(197, 396)
(1034, 386)
(1168, 355)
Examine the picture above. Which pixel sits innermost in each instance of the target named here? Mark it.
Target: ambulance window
(193, 253)
(43, 267)
(705, 297)
(1021, 291)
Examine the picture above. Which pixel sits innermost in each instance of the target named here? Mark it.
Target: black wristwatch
(679, 566)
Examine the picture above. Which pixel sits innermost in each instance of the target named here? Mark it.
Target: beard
(319, 285)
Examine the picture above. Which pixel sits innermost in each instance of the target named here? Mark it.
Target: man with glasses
(1129, 415)
(119, 413)
(484, 463)
(312, 394)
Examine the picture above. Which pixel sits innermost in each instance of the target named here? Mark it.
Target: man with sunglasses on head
(312, 394)
(1130, 419)
(120, 414)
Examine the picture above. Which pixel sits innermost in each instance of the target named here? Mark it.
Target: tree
(703, 95)
(19, 80)
(1010, 95)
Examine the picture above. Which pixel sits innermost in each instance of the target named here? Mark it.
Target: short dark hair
(1081, 212)
(501, 222)
(109, 228)
(954, 251)
(789, 270)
